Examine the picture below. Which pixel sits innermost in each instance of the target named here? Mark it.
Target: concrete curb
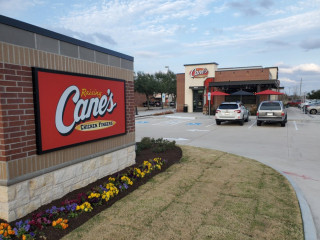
(309, 229)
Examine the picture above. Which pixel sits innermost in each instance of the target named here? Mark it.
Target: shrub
(157, 145)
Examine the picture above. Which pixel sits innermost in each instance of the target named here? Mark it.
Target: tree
(166, 83)
(314, 94)
(146, 84)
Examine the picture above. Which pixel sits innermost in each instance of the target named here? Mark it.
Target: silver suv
(232, 111)
(272, 111)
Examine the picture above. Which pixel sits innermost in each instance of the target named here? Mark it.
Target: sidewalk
(143, 111)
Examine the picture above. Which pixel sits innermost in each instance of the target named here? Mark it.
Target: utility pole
(300, 87)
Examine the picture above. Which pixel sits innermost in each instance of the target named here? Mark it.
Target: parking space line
(170, 123)
(295, 125)
(252, 124)
(210, 125)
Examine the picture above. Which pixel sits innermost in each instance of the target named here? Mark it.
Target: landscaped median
(208, 195)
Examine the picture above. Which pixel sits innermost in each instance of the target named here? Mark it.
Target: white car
(313, 108)
(232, 111)
(308, 103)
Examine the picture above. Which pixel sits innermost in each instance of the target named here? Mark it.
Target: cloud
(138, 23)
(268, 30)
(278, 43)
(287, 80)
(266, 3)
(245, 7)
(306, 68)
(311, 43)
(16, 6)
(146, 54)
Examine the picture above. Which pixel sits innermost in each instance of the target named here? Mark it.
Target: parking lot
(294, 149)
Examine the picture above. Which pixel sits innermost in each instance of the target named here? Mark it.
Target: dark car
(151, 104)
(157, 104)
(172, 104)
(271, 111)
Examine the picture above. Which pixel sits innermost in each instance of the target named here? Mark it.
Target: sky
(162, 33)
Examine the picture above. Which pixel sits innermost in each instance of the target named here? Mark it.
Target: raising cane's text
(84, 109)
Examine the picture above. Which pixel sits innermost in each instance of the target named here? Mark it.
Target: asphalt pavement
(292, 150)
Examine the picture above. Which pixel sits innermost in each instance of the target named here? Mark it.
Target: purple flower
(71, 207)
(103, 189)
(21, 228)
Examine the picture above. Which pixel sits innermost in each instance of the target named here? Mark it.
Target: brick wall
(130, 108)
(139, 99)
(17, 125)
(180, 92)
(242, 75)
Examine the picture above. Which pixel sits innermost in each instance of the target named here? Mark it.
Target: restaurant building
(199, 79)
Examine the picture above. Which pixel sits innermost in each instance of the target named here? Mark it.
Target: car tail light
(217, 111)
(237, 111)
(257, 113)
(282, 113)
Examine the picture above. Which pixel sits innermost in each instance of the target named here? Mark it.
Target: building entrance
(197, 100)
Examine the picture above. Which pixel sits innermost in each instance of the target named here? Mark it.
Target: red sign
(199, 73)
(72, 109)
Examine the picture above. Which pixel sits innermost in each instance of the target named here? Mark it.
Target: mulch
(171, 156)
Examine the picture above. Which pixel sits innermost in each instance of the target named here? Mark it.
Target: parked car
(232, 111)
(157, 104)
(313, 108)
(309, 103)
(272, 111)
(151, 104)
(172, 104)
(294, 103)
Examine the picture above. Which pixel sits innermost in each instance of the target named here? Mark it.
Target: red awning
(269, 92)
(218, 93)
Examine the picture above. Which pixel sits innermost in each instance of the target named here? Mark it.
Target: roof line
(200, 64)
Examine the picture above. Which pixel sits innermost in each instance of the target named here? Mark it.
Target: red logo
(199, 73)
(74, 109)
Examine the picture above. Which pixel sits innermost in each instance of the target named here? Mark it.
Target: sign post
(163, 96)
(209, 99)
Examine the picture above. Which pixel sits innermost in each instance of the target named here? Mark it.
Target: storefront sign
(199, 73)
(72, 109)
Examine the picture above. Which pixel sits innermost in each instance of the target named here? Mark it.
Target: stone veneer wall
(24, 197)
(28, 180)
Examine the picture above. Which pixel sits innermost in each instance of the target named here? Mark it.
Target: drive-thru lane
(294, 150)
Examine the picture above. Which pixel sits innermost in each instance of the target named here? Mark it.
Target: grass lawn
(208, 195)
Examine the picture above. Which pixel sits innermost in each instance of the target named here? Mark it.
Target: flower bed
(62, 216)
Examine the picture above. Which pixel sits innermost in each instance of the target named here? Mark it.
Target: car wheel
(283, 124)
(313, 111)
(247, 119)
(241, 122)
(258, 123)
(218, 122)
